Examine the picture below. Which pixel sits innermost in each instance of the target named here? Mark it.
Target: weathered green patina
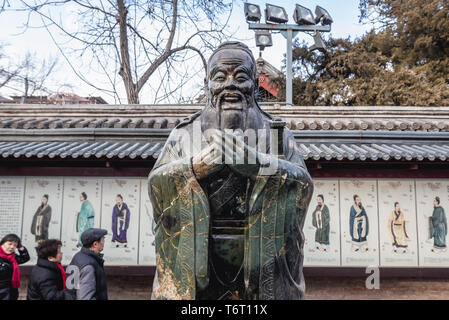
(229, 230)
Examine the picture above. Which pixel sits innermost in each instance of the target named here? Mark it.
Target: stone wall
(328, 288)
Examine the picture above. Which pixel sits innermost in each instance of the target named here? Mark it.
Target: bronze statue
(230, 229)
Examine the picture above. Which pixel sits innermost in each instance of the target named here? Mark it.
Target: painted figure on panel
(438, 226)
(41, 220)
(120, 222)
(396, 228)
(85, 217)
(321, 221)
(358, 225)
(230, 229)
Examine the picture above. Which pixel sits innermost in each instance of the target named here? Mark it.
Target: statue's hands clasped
(225, 148)
(208, 161)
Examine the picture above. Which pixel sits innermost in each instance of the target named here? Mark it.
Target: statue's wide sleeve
(275, 240)
(181, 215)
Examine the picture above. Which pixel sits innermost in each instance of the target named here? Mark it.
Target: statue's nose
(230, 84)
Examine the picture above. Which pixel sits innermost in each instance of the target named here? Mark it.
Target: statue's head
(232, 85)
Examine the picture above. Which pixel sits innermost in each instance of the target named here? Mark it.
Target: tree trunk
(125, 66)
(25, 93)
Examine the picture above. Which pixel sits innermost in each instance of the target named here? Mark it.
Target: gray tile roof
(75, 150)
(430, 119)
(431, 125)
(139, 131)
(360, 151)
(141, 150)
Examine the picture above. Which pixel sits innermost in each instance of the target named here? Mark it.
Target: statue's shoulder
(188, 120)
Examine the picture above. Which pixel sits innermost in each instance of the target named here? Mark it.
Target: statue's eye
(219, 76)
(241, 77)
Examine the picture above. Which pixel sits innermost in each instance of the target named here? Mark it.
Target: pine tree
(403, 60)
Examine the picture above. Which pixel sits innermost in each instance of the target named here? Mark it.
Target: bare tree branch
(135, 37)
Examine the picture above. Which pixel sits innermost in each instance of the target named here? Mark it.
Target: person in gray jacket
(89, 260)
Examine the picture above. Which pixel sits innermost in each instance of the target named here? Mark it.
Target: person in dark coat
(41, 220)
(89, 261)
(47, 280)
(120, 222)
(9, 266)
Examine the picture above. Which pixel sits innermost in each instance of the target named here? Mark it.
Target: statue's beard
(232, 109)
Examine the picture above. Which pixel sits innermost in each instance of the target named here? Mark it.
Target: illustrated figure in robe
(438, 227)
(321, 221)
(85, 217)
(396, 228)
(230, 229)
(120, 222)
(358, 225)
(41, 220)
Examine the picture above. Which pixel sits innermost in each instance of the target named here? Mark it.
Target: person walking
(89, 261)
(48, 278)
(9, 266)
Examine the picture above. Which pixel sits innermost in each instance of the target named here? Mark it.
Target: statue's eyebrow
(242, 68)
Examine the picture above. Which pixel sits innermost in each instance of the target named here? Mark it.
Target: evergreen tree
(403, 60)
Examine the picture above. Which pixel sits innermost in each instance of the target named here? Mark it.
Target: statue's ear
(256, 88)
(206, 85)
(206, 91)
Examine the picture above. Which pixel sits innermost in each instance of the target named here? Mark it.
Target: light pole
(277, 17)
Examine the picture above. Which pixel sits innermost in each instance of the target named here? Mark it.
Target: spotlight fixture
(275, 14)
(276, 21)
(303, 15)
(321, 15)
(263, 39)
(319, 43)
(252, 12)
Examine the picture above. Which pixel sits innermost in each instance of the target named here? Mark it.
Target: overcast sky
(344, 13)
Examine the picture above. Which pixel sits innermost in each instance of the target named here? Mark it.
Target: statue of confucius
(230, 229)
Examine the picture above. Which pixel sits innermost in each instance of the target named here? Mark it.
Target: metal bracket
(284, 27)
(294, 33)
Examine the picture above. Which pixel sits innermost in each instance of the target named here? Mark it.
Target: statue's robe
(321, 221)
(438, 227)
(41, 222)
(273, 237)
(358, 225)
(396, 227)
(120, 223)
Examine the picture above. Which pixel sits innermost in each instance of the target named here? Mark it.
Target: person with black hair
(397, 230)
(85, 217)
(9, 266)
(438, 227)
(41, 220)
(47, 280)
(120, 222)
(321, 221)
(358, 226)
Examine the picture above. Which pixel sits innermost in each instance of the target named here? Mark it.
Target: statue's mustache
(229, 94)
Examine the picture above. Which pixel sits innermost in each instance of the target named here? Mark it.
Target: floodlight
(303, 15)
(322, 15)
(319, 43)
(275, 14)
(263, 39)
(252, 12)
